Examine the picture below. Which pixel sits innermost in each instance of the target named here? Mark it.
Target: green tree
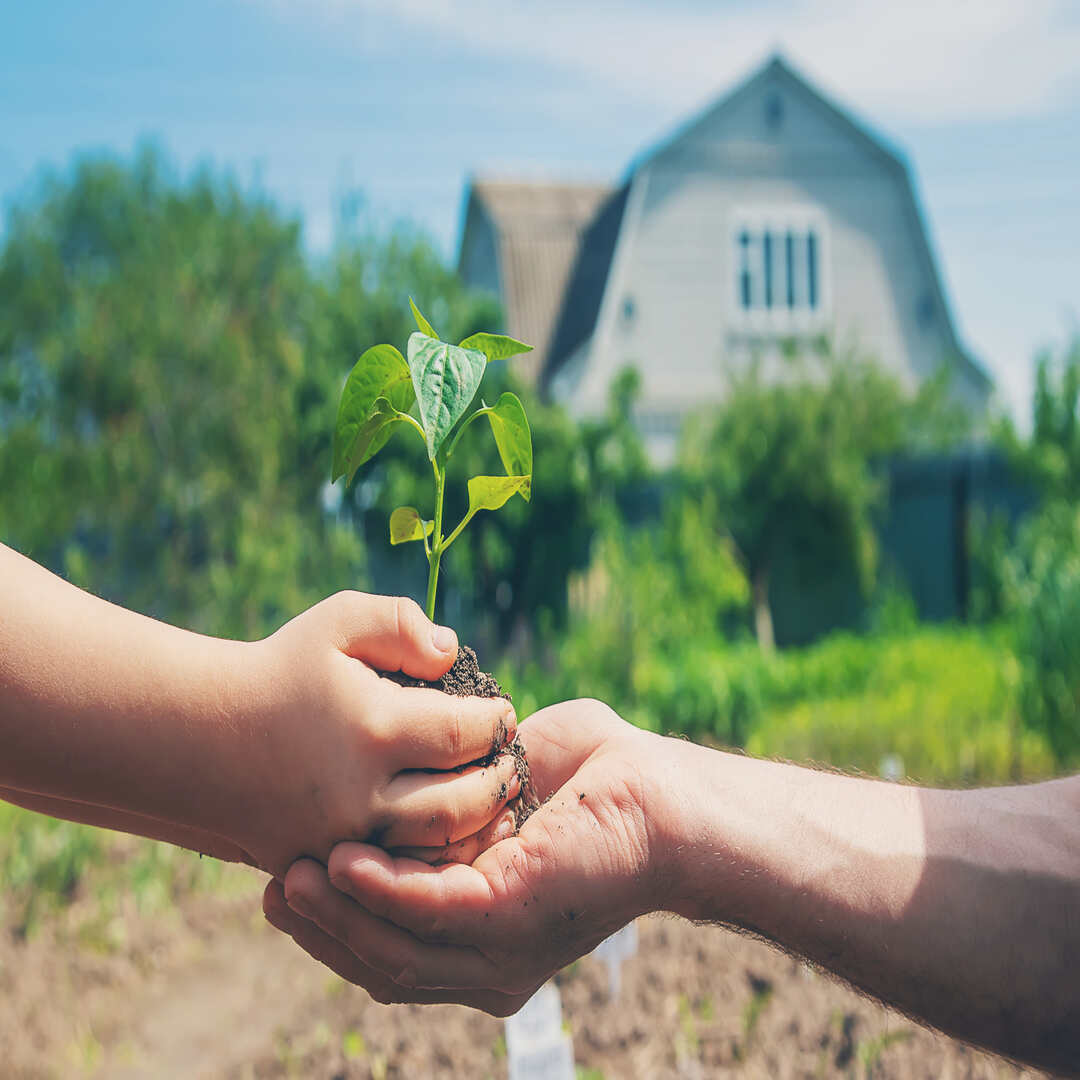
(789, 459)
(164, 420)
(1050, 457)
(1042, 571)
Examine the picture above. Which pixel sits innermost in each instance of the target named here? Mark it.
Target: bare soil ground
(208, 990)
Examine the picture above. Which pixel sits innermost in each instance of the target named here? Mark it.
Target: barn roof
(538, 226)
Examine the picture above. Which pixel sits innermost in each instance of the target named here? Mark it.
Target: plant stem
(432, 581)
(436, 540)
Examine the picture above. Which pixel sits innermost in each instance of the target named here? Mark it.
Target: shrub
(1046, 598)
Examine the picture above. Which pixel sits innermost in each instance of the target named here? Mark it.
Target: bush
(945, 701)
(1046, 600)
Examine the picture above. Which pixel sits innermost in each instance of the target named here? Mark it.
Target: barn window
(774, 112)
(779, 267)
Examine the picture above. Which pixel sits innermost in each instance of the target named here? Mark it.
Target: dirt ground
(210, 991)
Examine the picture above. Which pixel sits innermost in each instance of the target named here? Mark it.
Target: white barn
(772, 216)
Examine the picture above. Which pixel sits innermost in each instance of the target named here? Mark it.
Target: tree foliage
(1050, 457)
(170, 363)
(170, 366)
(1041, 571)
(789, 460)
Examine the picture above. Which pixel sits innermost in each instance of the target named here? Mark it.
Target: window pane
(767, 255)
(745, 296)
(789, 267)
(811, 271)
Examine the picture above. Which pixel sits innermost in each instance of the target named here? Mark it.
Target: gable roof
(579, 313)
(576, 317)
(537, 231)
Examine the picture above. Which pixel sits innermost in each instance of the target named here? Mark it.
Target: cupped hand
(334, 751)
(488, 935)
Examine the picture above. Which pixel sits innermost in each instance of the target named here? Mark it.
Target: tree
(1042, 571)
(789, 461)
(1051, 456)
(165, 424)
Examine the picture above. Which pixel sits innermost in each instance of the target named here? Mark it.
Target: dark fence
(927, 533)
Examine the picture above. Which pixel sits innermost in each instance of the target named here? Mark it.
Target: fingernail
(300, 905)
(444, 639)
(513, 788)
(504, 830)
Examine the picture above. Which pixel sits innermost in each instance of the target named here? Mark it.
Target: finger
(431, 809)
(463, 851)
(391, 633)
(105, 817)
(433, 730)
(403, 958)
(453, 902)
(336, 956)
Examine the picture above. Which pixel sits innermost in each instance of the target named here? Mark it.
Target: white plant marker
(537, 1048)
(613, 951)
(891, 767)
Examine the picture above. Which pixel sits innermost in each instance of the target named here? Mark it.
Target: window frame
(784, 226)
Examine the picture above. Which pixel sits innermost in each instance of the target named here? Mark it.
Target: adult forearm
(103, 706)
(957, 907)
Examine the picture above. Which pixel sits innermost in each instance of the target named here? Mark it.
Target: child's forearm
(105, 817)
(99, 705)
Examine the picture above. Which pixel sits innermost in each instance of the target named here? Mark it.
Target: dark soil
(465, 679)
(205, 989)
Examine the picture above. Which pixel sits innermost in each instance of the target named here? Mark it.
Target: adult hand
(488, 935)
(958, 907)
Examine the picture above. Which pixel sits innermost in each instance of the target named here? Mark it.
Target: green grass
(944, 700)
(46, 864)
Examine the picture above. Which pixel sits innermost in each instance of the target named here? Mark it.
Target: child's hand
(332, 751)
(261, 751)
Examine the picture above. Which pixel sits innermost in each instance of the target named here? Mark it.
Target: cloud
(922, 62)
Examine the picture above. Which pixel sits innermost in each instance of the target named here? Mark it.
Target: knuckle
(438, 826)
(343, 601)
(599, 714)
(407, 616)
(454, 733)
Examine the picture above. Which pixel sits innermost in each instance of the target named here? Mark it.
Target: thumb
(391, 633)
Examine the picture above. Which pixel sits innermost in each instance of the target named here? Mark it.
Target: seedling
(430, 393)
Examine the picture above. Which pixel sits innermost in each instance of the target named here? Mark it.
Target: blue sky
(402, 99)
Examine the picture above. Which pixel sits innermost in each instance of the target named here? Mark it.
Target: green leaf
(445, 379)
(369, 437)
(490, 492)
(510, 426)
(495, 346)
(381, 372)
(421, 323)
(406, 524)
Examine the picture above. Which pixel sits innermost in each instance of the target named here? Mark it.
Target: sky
(401, 100)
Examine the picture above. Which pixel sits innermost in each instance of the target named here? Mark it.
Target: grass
(945, 701)
(46, 865)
